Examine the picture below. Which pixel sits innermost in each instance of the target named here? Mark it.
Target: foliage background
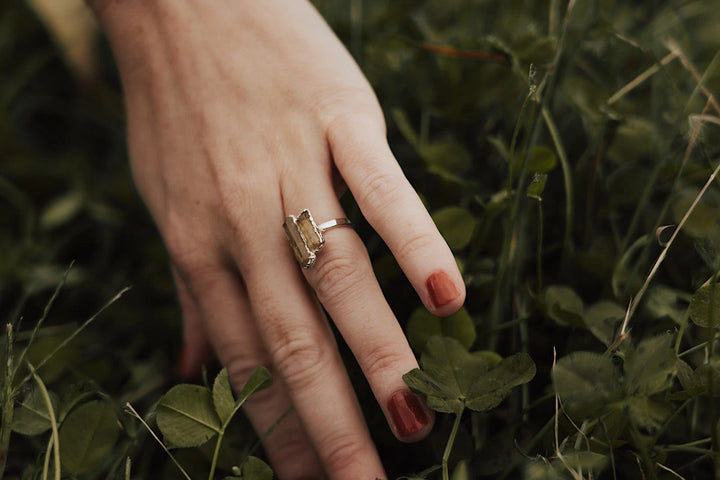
(613, 156)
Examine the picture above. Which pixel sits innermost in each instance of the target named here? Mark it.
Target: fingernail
(442, 289)
(407, 413)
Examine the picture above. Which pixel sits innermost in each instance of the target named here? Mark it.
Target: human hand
(239, 114)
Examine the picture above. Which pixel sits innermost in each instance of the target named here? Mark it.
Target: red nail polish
(442, 290)
(407, 413)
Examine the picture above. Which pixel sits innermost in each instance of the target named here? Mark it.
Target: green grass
(578, 151)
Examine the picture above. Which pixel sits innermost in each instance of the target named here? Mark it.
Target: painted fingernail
(407, 413)
(442, 290)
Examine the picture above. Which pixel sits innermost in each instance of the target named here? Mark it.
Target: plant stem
(43, 317)
(711, 383)
(216, 453)
(567, 177)
(448, 447)
(53, 421)
(162, 445)
(7, 402)
(540, 246)
(77, 332)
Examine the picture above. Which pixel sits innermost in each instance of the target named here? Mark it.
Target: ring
(306, 237)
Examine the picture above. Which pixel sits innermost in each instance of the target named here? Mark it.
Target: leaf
(186, 416)
(461, 470)
(451, 378)
(661, 301)
(256, 469)
(537, 186)
(590, 462)
(259, 380)
(647, 415)
(31, 416)
(696, 383)
(88, 436)
(423, 325)
(705, 306)
(61, 210)
(223, 399)
(703, 219)
(563, 305)
(447, 156)
(585, 382)
(650, 367)
(602, 319)
(456, 225)
(78, 393)
(542, 160)
(495, 385)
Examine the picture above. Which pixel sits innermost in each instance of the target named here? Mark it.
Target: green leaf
(602, 318)
(585, 382)
(651, 366)
(647, 415)
(223, 399)
(705, 306)
(537, 186)
(452, 379)
(256, 469)
(79, 392)
(260, 379)
(423, 325)
(542, 160)
(491, 388)
(456, 225)
(661, 301)
(703, 219)
(186, 416)
(461, 470)
(88, 436)
(31, 416)
(590, 462)
(447, 156)
(563, 305)
(62, 210)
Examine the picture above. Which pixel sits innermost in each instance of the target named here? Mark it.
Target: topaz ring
(306, 237)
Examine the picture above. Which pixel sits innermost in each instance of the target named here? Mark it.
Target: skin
(239, 114)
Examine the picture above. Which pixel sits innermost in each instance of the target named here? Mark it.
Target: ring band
(306, 237)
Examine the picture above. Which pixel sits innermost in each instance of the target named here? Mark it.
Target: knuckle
(291, 444)
(380, 359)
(194, 266)
(299, 359)
(378, 190)
(342, 452)
(336, 276)
(417, 242)
(240, 362)
(341, 107)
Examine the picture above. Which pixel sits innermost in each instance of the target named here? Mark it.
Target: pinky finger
(196, 350)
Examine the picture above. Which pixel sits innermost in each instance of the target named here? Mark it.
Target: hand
(239, 114)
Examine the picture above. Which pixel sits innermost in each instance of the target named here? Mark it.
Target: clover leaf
(452, 378)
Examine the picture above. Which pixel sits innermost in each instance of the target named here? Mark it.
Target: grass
(623, 95)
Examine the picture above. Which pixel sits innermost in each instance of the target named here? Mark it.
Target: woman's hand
(239, 114)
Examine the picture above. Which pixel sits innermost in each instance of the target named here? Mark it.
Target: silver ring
(306, 237)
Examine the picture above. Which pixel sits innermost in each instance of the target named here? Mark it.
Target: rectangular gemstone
(303, 255)
(309, 231)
